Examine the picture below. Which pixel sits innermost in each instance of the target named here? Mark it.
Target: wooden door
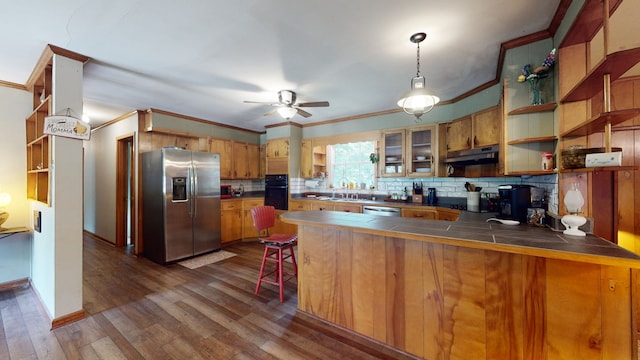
(253, 161)
(392, 154)
(459, 134)
(486, 127)
(224, 148)
(306, 159)
(240, 160)
(231, 221)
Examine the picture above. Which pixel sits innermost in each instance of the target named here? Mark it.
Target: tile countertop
(473, 231)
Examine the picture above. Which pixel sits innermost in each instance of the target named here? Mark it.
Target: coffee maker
(514, 201)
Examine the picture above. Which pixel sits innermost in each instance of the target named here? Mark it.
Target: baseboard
(67, 319)
(14, 284)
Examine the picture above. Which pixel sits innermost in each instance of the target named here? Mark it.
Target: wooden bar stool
(264, 217)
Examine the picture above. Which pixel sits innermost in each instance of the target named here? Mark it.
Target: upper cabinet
(477, 130)
(459, 134)
(225, 149)
(278, 156)
(409, 152)
(238, 160)
(313, 160)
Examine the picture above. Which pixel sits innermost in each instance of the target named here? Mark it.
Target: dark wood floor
(140, 310)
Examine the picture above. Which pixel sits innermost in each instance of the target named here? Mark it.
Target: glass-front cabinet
(409, 152)
(392, 154)
(420, 155)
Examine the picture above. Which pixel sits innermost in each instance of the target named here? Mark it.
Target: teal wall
(165, 121)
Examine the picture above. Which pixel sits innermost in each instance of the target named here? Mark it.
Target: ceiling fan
(287, 106)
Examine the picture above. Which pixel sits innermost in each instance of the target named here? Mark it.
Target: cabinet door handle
(475, 140)
(468, 141)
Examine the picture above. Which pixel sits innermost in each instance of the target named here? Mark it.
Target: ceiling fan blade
(271, 112)
(314, 104)
(260, 102)
(302, 112)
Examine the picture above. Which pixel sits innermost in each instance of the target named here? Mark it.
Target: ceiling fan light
(287, 112)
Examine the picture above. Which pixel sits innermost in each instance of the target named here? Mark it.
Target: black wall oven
(276, 191)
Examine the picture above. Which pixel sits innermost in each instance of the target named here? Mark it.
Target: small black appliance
(514, 201)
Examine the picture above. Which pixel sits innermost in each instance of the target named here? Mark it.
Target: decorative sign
(67, 126)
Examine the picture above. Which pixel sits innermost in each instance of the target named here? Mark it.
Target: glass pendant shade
(573, 200)
(418, 100)
(287, 112)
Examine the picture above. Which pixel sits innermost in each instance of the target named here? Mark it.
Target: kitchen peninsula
(469, 288)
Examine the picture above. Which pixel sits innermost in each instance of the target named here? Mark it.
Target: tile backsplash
(445, 187)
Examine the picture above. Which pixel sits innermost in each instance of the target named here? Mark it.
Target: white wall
(57, 250)
(15, 251)
(100, 177)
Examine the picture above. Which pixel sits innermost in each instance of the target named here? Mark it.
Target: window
(349, 163)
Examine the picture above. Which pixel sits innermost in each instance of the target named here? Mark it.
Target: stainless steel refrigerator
(181, 204)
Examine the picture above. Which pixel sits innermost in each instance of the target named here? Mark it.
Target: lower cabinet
(248, 230)
(230, 220)
(420, 214)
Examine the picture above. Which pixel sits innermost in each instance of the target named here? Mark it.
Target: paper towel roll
(312, 184)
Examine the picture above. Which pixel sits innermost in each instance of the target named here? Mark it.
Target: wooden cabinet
(246, 160)
(347, 207)
(231, 220)
(409, 152)
(278, 148)
(278, 156)
(225, 149)
(459, 134)
(313, 160)
(262, 166)
(238, 160)
(248, 230)
(479, 129)
(448, 214)
(299, 205)
(487, 127)
(427, 214)
(253, 161)
(392, 153)
(421, 151)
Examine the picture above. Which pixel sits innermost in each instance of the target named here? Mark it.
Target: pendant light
(419, 100)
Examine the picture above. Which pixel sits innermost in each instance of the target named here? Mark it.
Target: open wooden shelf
(588, 22)
(534, 109)
(602, 168)
(532, 172)
(614, 64)
(533, 140)
(598, 122)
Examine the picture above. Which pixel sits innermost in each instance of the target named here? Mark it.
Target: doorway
(125, 193)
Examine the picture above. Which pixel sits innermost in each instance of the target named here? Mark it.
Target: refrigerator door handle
(190, 192)
(194, 192)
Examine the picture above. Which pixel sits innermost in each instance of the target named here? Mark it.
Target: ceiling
(203, 58)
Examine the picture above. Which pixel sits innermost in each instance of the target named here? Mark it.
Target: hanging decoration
(67, 126)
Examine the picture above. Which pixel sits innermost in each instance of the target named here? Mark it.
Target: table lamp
(573, 200)
(5, 200)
